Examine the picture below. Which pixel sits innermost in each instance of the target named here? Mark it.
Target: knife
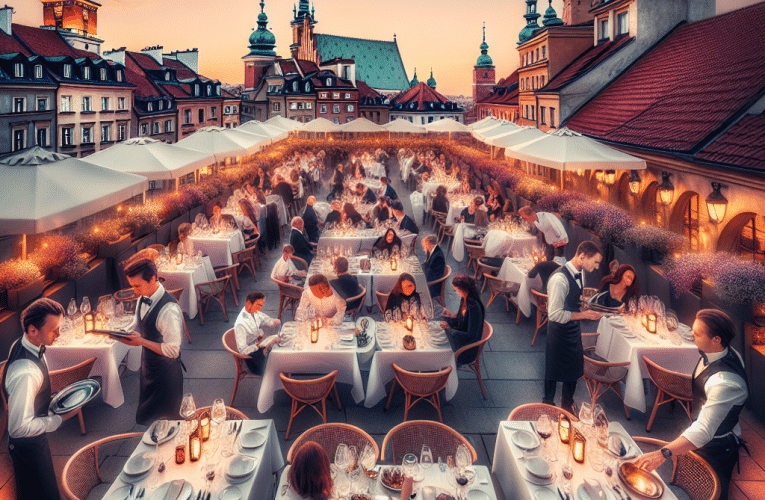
(560, 494)
(625, 493)
(618, 492)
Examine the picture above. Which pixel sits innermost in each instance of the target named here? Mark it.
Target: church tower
(303, 42)
(262, 55)
(484, 77)
(576, 12)
(531, 16)
(76, 21)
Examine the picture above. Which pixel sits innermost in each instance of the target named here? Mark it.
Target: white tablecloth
(405, 167)
(375, 169)
(108, 359)
(500, 243)
(314, 358)
(219, 248)
(517, 270)
(258, 486)
(462, 231)
(616, 348)
(508, 461)
(322, 209)
(186, 279)
(418, 207)
(362, 242)
(280, 208)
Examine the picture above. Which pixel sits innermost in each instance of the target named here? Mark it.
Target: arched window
(685, 218)
(650, 208)
(744, 235)
(623, 190)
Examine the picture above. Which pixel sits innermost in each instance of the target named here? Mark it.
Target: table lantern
(578, 445)
(179, 258)
(409, 323)
(314, 331)
(536, 259)
(644, 321)
(564, 428)
(204, 426)
(180, 453)
(195, 445)
(393, 264)
(90, 322)
(651, 323)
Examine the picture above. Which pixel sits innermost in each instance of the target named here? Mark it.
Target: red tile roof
(506, 91)
(420, 94)
(134, 74)
(742, 145)
(288, 67)
(9, 45)
(686, 88)
(367, 91)
(44, 42)
(145, 60)
(182, 72)
(585, 62)
(308, 67)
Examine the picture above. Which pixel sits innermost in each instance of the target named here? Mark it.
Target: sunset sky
(444, 34)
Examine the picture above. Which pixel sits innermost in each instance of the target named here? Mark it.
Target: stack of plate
(252, 439)
(685, 331)
(138, 465)
(438, 338)
(240, 469)
(539, 472)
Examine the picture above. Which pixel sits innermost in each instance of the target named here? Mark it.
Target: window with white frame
(227, 110)
(168, 125)
(66, 136)
(19, 139)
(18, 70)
(103, 74)
(603, 29)
(308, 105)
(119, 75)
(121, 132)
(323, 108)
(86, 72)
(106, 132)
(161, 105)
(19, 104)
(336, 108)
(335, 95)
(121, 103)
(66, 104)
(276, 106)
(196, 89)
(144, 129)
(67, 71)
(348, 95)
(149, 106)
(213, 112)
(623, 23)
(156, 127)
(87, 103)
(38, 71)
(87, 135)
(187, 116)
(42, 137)
(209, 91)
(105, 104)
(349, 108)
(42, 104)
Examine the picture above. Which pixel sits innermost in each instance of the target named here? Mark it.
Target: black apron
(564, 355)
(32, 463)
(161, 389)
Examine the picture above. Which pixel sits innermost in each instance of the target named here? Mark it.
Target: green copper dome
(431, 81)
(484, 59)
(531, 16)
(262, 41)
(414, 81)
(551, 17)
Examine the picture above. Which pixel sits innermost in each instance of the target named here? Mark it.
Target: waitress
(564, 356)
(26, 385)
(157, 327)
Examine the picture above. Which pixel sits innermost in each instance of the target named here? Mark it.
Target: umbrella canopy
(483, 122)
(488, 126)
(565, 149)
(43, 191)
(496, 131)
(283, 123)
(401, 125)
(251, 142)
(150, 158)
(446, 125)
(264, 129)
(320, 125)
(524, 134)
(214, 141)
(361, 125)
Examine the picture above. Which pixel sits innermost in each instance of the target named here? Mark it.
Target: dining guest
(387, 243)
(26, 387)
(472, 214)
(310, 476)
(326, 303)
(249, 218)
(336, 215)
(359, 172)
(564, 361)
(441, 202)
(295, 184)
(380, 213)
(405, 223)
(299, 242)
(216, 219)
(337, 183)
(183, 244)
(147, 253)
(283, 189)
(618, 288)
(720, 389)
(366, 194)
(435, 263)
(261, 180)
(248, 331)
(544, 270)
(553, 233)
(387, 189)
(405, 290)
(284, 270)
(466, 326)
(495, 202)
(311, 220)
(346, 285)
(156, 327)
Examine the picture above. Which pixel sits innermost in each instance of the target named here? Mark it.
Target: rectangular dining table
(517, 269)
(509, 466)
(256, 486)
(186, 276)
(218, 247)
(359, 240)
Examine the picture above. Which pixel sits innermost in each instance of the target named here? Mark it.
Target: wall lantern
(717, 204)
(599, 175)
(634, 182)
(610, 177)
(666, 190)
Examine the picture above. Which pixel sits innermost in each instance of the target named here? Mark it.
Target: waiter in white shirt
(325, 302)
(249, 334)
(720, 390)
(551, 227)
(26, 386)
(157, 327)
(284, 270)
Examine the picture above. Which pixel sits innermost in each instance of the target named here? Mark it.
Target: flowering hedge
(16, 273)
(735, 281)
(554, 201)
(654, 238)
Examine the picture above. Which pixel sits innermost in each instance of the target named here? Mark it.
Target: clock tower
(484, 77)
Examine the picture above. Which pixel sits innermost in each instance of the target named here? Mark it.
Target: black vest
(42, 399)
(728, 363)
(573, 299)
(149, 322)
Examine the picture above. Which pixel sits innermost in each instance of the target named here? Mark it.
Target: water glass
(409, 465)
(188, 406)
(342, 456)
(426, 457)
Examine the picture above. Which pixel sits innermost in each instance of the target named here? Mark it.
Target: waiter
(551, 227)
(157, 327)
(26, 385)
(720, 389)
(564, 355)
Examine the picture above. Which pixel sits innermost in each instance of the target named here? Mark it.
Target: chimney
(155, 52)
(115, 55)
(189, 57)
(6, 19)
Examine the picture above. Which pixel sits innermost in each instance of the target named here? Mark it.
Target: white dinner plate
(524, 440)
(252, 439)
(120, 493)
(539, 467)
(537, 480)
(477, 495)
(545, 494)
(171, 431)
(161, 493)
(139, 464)
(231, 493)
(241, 466)
(74, 396)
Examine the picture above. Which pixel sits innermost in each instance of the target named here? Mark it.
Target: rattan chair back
(231, 413)
(540, 299)
(245, 259)
(289, 295)
(419, 386)
(382, 300)
(532, 411)
(212, 290)
(332, 434)
(670, 386)
(350, 300)
(300, 264)
(475, 365)
(307, 393)
(602, 376)
(409, 437)
(240, 368)
(442, 281)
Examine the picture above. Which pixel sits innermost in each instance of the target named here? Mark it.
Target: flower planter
(114, 248)
(142, 231)
(17, 298)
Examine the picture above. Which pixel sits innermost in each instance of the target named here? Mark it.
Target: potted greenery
(20, 283)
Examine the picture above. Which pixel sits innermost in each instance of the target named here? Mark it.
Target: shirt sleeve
(170, 324)
(724, 390)
(557, 289)
(23, 382)
(340, 308)
(302, 309)
(246, 340)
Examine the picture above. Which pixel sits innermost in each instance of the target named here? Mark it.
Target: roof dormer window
(67, 71)
(328, 82)
(217, 90)
(167, 76)
(161, 105)
(119, 75)
(209, 91)
(150, 106)
(18, 70)
(38, 71)
(295, 86)
(86, 72)
(196, 89)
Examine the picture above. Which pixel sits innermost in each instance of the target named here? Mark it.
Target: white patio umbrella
(401, 125)
(446, 125)
(523, 135)
(319, 125)
(261, 128)
(361, 125)
(489, 126)
(495, 131)
(283, 123)
(150, 158)
(43, 191)
(251, 142)
(482, 122)
(214, 141)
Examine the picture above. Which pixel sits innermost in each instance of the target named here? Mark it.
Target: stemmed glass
(218, 414)
(159, 432)
(188, 409)
(544, 429)
(426, 457)
(71, 309)
(409, 465)
(85, 306)
(586, 418)
(341, 457)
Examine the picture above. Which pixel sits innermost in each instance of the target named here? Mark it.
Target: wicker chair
(212, 290)
(475, 365)
(507, 289)
(420, 385)
(490, 265)
(233, 282)
(65, 376)
(289, 295)
(350, 300)
(532, 411)
(690, 472)
(245, 259)
(409, 437)
(447, 232)
(82, 471)
(231, 413)
(382, 300)
(540, 299)
(474, 251)
(240, 368)
(177, 296)
(3, 405)
(332, 434)
(159, 248)
(442, 281)
(438, 220)
(128, 298)
(254, 243)
(602, 376)
(305, 393)
(670, 386)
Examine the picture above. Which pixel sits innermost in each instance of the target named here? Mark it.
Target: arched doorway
(623, 190)
(685, 218)
(744, 235)
(648, 205)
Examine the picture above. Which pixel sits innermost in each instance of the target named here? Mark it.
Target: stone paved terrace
(512, 370)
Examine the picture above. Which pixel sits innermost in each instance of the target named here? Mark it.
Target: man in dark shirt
(405, 223)
(337, 183)
(435, 263)
(345, 285)
(381, 212)
(283, 189)
(311, 221)
(544, 270)
(388, 190)
(367, 196)
(299, 242)
(335, 215)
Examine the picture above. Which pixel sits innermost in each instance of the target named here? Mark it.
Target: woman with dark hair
(405, 290)
(387, 243)
(465, 327)
(294, 183)
(351, 214)
(309, 474)
(495, 201)
(472, 214)
(618, 288)
(441, 202)
(250, 219)
(261, 180)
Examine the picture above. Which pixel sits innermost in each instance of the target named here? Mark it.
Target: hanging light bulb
(717, 204)
(634, 182)
(666, 190)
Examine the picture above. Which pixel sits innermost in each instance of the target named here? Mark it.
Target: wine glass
(585, 413)
(188, 408)
(601, 425)
(367, 459)
(85, 306)
(409, 465)
(71, 309)
(158, 432)
(462, 457)
(426, 457)
(353, 475)
(342, 456)
(544, 429)
(218, 413)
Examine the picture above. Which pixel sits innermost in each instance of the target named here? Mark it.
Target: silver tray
(74, 396)
(112, 333)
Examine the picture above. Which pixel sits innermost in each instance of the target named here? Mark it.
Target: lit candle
(651, 323)
(393, 264)
(195, 446)
(536, 259)
(578, 445)
(180, 454)
(315, 333)
(179, 258)
(409, 324)
(204, 426)
(644, 321)
(90, 322)
(564, 428)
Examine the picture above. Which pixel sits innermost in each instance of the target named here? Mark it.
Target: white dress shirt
(552, 228)
(23, 382)
(283, 269)
(724, 390)
(169, 323)
(328, 307)
(557, 291)
(247, 330)
(185, 247)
